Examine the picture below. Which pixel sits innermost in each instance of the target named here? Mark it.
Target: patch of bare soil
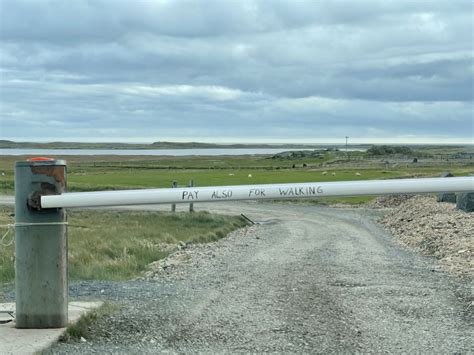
(433, 228)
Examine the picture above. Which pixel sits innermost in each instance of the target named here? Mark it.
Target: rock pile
(436, 229)
(389, 201)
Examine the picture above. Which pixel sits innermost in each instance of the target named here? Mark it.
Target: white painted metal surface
(259, 192)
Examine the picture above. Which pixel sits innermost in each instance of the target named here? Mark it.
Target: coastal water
(162, 152)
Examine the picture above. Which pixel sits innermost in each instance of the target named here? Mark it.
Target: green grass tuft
(81, 329)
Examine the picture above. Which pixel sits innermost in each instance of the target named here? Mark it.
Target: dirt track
(308, 279)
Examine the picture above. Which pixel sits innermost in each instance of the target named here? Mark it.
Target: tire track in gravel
(312, 279)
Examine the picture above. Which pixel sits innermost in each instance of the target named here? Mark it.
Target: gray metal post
(191, 205)
(174, 184)
(41, 282)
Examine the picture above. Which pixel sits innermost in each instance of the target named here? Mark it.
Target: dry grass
(119, 245)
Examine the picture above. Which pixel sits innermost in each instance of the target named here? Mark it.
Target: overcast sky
(230, 71)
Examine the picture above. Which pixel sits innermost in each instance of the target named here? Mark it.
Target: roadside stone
(447, 174)
(447, 197)
(465, 202)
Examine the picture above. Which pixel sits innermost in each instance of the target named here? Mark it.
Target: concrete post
(174, 185)
(41, 282)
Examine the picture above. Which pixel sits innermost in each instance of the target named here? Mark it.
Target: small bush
(387, 150)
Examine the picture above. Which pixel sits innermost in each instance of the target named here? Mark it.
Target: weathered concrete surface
(30, 341)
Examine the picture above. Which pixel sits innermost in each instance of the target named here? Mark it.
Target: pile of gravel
(436, 229)
(388, 201)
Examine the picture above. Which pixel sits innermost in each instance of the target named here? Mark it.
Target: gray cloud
(150, 70)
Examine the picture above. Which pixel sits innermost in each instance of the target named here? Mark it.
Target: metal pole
(41, 246)
(347, 152)
(174, 185)
(260, 192)
(191, 205)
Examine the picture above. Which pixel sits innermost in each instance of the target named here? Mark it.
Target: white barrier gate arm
(258, 192)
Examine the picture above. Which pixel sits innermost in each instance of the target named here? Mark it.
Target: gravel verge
(432, 228)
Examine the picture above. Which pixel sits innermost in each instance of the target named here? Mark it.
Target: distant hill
(70, 145)
(6, 144)
(197, 145)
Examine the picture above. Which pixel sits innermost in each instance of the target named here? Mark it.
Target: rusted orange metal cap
(40, 159)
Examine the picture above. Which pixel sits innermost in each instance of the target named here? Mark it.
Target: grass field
(125, 172)
(119, 245)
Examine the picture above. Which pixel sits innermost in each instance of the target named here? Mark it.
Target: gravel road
(307, 279)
